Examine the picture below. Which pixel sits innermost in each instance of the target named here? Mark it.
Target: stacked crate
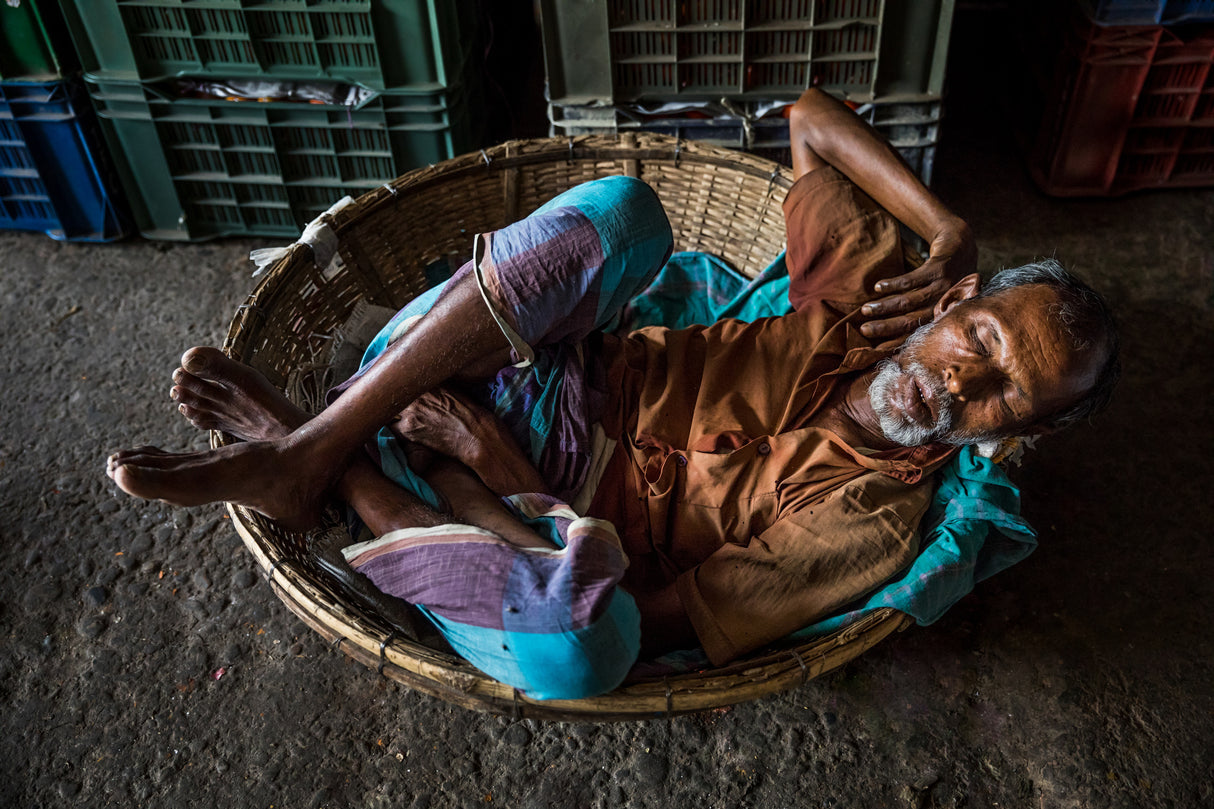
(1129, 102)
(54, 174)
(726, 71)
(271, 154)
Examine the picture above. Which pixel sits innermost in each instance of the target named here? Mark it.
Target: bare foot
(281, 480)
(215, 392)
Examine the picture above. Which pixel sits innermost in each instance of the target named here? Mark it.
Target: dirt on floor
(146, 663)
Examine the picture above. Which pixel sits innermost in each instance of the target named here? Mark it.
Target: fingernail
(867, 309)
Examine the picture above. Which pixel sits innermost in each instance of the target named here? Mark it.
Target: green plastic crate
(34, 44)
(386, 44)
(624, 51)
(198, 168)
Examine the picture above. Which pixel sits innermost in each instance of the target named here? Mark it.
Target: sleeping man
(560, 499)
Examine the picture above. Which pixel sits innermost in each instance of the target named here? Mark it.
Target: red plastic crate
(1132, 108)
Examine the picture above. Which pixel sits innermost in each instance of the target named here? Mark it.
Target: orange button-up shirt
(721, 482)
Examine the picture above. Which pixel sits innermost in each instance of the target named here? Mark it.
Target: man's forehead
(1033, 319)
(1037, 295)
(1031, 308)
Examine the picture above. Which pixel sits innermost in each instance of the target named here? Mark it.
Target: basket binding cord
(318, 235)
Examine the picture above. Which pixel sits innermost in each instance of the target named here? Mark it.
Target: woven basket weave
(719, 201)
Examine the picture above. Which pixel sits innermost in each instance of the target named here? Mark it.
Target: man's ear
(963, 290)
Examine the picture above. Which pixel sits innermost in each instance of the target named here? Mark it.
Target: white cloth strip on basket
(318, 235)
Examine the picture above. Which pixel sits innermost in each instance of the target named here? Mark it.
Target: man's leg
(215, 392)
(549, 622)
(287, 477)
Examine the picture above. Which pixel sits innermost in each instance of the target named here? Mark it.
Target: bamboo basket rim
(447, 676)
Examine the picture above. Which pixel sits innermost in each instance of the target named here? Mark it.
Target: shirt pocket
(728, 496)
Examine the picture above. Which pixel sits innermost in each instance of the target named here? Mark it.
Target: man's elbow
(801, 114)
(809, 143)
(810, 106)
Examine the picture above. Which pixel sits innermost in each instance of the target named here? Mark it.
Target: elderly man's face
(985, 368)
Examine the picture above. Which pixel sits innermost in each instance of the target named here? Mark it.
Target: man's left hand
(909, 299)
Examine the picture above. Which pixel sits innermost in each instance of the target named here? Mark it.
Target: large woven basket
(719, 201)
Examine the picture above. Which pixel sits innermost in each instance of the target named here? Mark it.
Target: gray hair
(1086, 320)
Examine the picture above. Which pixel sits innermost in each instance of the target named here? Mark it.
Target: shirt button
(764, 448)
(682, 460)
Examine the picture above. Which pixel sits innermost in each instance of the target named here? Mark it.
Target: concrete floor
(1080, 678)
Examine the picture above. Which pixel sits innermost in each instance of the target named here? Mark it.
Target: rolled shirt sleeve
(806, 565)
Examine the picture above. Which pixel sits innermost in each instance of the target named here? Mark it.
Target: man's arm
(819, 556)
(825, 132)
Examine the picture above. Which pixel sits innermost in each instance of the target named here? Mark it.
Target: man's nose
(964, 380)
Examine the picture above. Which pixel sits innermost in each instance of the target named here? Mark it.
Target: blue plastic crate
(1149, 12)
(53, 176)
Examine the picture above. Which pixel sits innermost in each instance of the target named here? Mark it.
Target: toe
(131, 457)
(197, 392)
(201, 419)
(124, 455)
(199, 358)
(130, 479)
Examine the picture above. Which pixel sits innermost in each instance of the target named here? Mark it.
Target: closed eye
(979, 347)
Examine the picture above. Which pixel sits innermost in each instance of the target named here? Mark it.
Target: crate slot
(404, 43)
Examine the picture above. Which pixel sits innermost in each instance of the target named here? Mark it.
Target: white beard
(895, 424)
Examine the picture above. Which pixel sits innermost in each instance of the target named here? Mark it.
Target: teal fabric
(573, 664)
(698, 288)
